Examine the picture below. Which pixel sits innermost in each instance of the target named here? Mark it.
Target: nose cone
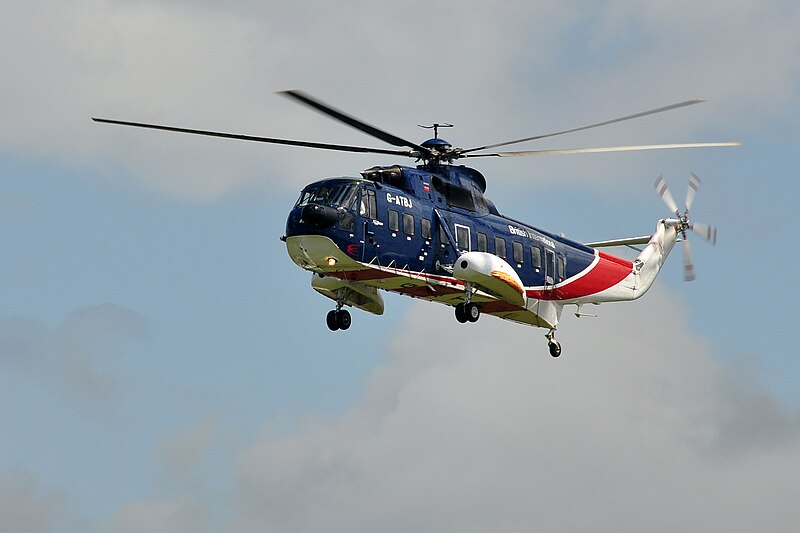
(319, 216)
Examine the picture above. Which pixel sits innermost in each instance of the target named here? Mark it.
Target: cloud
(77, 358)
(196, 460)
(173, 516)
(25, 507)
(498, 72)
(473, 428)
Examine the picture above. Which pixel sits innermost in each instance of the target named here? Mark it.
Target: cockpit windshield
(338, 194)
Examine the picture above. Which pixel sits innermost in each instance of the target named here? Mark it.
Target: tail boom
(643, 271)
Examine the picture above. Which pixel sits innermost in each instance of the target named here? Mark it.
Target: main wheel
(472, 311)
(555, 348)
(461, 314)
(332, 320)
(343, 319)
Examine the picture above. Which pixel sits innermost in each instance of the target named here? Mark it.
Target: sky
(165, 367)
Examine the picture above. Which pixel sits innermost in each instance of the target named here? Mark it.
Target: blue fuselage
(421, 219)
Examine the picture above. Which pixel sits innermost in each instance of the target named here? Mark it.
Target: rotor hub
(440, 145)
(437, 151)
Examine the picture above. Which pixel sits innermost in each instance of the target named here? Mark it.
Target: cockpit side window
(372, 204)
(368, 207)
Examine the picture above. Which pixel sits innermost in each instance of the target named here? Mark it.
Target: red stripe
(608, 271)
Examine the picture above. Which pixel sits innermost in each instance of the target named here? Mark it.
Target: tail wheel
(555, 348)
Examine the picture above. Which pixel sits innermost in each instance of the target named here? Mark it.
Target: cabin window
(394, 220)
(536, 257)
(500, 247)
(482, 242)
(425, 228)
(517, 250)
(562, 268)
(462, 238)
(443, 235)
(408, 224)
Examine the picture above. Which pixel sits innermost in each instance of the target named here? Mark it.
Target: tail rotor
(682, 223)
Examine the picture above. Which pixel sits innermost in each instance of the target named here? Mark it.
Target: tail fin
(647, 266)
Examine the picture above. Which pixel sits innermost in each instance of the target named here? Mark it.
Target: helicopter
(429, 232)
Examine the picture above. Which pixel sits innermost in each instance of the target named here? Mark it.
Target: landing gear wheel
(461, 314)
(555, 348)
(472, 311)
(343, 319)
(332, 320)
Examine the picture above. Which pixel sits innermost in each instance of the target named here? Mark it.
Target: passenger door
(368, 209)
(549, 269)
(462, 238)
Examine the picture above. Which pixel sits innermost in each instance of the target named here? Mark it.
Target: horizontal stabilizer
(644, 239)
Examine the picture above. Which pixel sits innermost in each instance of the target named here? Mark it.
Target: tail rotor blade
(688, 263)
(707, 232)
(663, 192)
(694, 185)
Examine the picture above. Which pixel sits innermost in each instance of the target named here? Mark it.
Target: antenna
(435, 127)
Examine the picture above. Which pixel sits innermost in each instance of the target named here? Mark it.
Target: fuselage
(403, 229)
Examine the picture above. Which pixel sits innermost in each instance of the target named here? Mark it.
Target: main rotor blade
(694, 185)
(632, 148)
(351, 121)
(663, 192)
(589, 126)
(707, 232)
(306, 144)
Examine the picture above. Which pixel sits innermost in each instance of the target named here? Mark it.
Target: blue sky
(164, 366)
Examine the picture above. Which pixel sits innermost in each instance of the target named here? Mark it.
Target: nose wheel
(467, 312)
(338, 319)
